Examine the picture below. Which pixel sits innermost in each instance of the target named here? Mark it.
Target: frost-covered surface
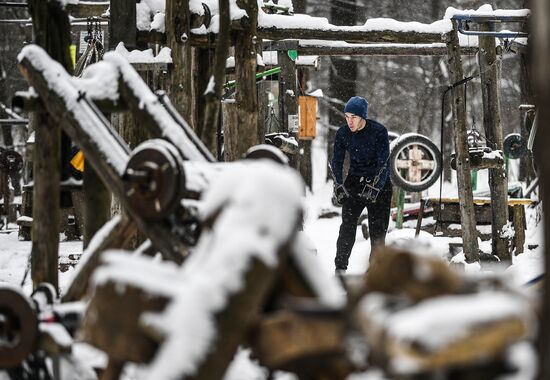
(257, 217)
(60, 82)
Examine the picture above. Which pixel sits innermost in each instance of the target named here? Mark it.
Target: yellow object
(307, 116)
(72, 51)
(78, 161)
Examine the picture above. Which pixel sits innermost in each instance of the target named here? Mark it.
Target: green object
(400, 208)
(473, 176)
(260, 75)
(292, 54)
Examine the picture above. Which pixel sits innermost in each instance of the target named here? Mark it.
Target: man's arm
(338, 155)
(382, 159)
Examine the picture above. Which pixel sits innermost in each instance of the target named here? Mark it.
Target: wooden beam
(489, 68)
(469, 233)
(51, 31)
(435, 49)
(347, 34)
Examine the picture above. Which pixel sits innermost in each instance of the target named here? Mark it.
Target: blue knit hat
(357, 106)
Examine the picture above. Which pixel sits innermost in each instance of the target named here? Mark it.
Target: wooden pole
(52, 32)
(489, 67)
(246, 106)
(213, 95)
(288, 100)
(178, 31)
(466, 202)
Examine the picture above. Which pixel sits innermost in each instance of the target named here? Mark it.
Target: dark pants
(378, 219)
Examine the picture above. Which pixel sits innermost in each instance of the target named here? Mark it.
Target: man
(367, 183)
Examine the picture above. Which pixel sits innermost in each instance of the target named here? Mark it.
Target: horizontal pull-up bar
(463, 21)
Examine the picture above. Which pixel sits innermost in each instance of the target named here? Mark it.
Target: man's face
(355, 123)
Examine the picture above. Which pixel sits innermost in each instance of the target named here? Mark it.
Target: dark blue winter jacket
(368, 150)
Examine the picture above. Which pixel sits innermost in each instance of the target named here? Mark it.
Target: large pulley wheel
(19, 327)
(515, 146)
(415, 162)
(10, 161)
(154, 179)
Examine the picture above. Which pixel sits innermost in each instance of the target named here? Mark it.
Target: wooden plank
(469, 233)
(88, 8)
(489, 68)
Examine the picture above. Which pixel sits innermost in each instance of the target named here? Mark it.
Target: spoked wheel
(415, 163)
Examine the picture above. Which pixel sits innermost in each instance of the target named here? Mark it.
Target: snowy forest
(274, 190)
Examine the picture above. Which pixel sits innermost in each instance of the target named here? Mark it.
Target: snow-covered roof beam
(88, 8)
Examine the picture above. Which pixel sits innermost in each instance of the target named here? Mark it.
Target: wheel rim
(416, 164)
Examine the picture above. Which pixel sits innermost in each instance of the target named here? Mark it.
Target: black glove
(339, 195)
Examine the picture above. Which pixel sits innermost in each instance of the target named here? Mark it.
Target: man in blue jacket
(367, 183)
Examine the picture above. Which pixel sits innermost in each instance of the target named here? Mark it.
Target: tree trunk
(178, 31)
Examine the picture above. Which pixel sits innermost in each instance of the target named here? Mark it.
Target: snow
(486, 10)
(145, 56)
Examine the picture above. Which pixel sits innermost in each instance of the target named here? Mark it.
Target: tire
(400, 152)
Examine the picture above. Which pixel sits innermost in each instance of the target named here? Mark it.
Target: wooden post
(466, 201)
(400, 206)
(489, 67)
(52, 32)
(213, 96)
(178, 31)
(288, 100)
(246, 108)
(122, 27)
(519, 227)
